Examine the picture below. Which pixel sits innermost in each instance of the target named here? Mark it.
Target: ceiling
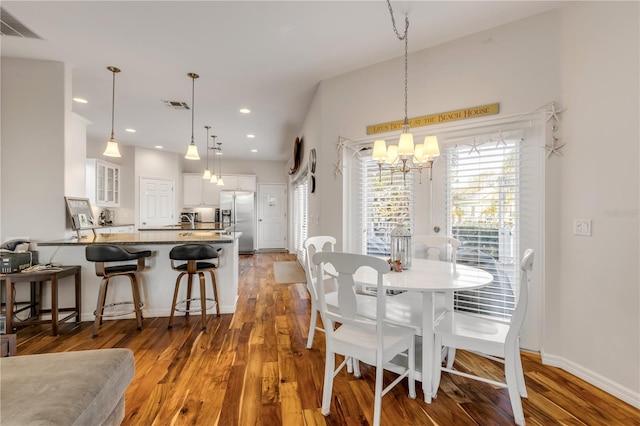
(268, 56)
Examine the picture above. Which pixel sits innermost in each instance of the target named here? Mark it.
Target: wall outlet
(582, 227)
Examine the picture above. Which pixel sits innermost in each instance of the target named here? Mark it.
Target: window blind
(483, 201)
(387, 200)
(300, 208)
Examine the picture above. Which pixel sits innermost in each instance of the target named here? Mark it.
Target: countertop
(198, 226)
(139, 238)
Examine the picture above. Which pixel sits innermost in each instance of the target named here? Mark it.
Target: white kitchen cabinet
(125, 229)
(192, 189)
(198, 192)
(240, 183)
(103, 183)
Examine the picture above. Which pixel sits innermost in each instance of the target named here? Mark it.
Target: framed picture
(80, 213)
(83, 221)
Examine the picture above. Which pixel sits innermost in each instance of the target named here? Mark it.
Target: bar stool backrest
(193, 252)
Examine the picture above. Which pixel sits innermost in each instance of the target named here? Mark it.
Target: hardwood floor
(252, 368)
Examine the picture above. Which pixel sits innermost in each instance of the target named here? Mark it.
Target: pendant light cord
(404, 38)
(113, 100)
(193, 104)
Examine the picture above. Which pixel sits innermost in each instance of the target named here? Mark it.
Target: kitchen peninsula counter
(157, 281)
(150, 237)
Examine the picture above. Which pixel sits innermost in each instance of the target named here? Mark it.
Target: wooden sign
(443, 117)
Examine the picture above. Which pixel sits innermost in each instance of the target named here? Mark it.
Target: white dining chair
(374, 341)
(491, 338)
(311, 246)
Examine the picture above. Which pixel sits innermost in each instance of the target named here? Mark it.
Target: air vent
(10, 26)
(176, 104)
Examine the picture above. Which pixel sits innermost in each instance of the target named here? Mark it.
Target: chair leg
(510, 372)
(412, 371)
(203, 301)
(522, 387)
(355, 366)
(329, 366)
(102, 293)
(214, 280)
(451, 357)
(377, 399)
(175, 299)
(312, 326)
(189, 286)
(136, 299)
(437, 366)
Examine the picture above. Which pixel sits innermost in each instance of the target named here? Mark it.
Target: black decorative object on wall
(312, 160)
(297, 152)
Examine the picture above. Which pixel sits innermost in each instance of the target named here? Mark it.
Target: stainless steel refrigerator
(239, 208)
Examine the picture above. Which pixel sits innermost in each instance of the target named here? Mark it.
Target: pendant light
(220, 181)
(207, 172)
(192, 152)
(214, 177)
(112, 146)
(405, 156)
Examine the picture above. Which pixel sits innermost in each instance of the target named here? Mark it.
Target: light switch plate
(582, 227)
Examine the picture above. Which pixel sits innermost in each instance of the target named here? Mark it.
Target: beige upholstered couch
(66, 388)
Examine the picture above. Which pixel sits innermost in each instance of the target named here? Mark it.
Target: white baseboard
(625, 394)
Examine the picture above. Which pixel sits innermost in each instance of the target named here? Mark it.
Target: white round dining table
(427, 277)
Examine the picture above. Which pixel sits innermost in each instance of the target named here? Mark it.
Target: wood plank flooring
(252, 368)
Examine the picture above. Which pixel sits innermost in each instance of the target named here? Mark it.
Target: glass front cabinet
(103, 183)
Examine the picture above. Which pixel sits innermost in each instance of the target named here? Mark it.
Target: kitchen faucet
(190, 218)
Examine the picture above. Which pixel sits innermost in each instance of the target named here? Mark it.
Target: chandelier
(405, 156)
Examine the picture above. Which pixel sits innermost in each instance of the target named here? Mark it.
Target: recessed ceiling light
(81, 101)
(159, 147)
(251, 136)
(254, 150)
(130, 130)
(245, 110)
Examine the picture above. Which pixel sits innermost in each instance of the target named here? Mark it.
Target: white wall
(267, 171)
(75, 155)
(585, 58)
(593, 283)
(33, 149)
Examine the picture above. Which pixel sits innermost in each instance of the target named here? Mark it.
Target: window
(300, 208)
(483, 202)
(387, 200)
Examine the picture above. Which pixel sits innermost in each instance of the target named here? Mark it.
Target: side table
(8, 345)
(41, 277)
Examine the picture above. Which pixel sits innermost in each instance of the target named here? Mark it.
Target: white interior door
(156, 202)
(272, 215)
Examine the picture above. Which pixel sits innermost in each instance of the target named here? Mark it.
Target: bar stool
(195, 256)
(102, 254)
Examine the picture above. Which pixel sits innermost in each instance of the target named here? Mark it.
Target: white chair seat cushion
(478, 333)
(347, 337)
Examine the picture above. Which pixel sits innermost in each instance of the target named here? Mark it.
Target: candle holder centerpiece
(401, 247)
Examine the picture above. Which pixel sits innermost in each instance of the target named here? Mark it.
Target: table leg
(78, 284)
(54, 304)
(427, 345)
(8, 291)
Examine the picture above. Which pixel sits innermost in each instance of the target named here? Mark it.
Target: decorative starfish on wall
(500, 139)
(474, 147)
(554, 147)
(553, 114)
